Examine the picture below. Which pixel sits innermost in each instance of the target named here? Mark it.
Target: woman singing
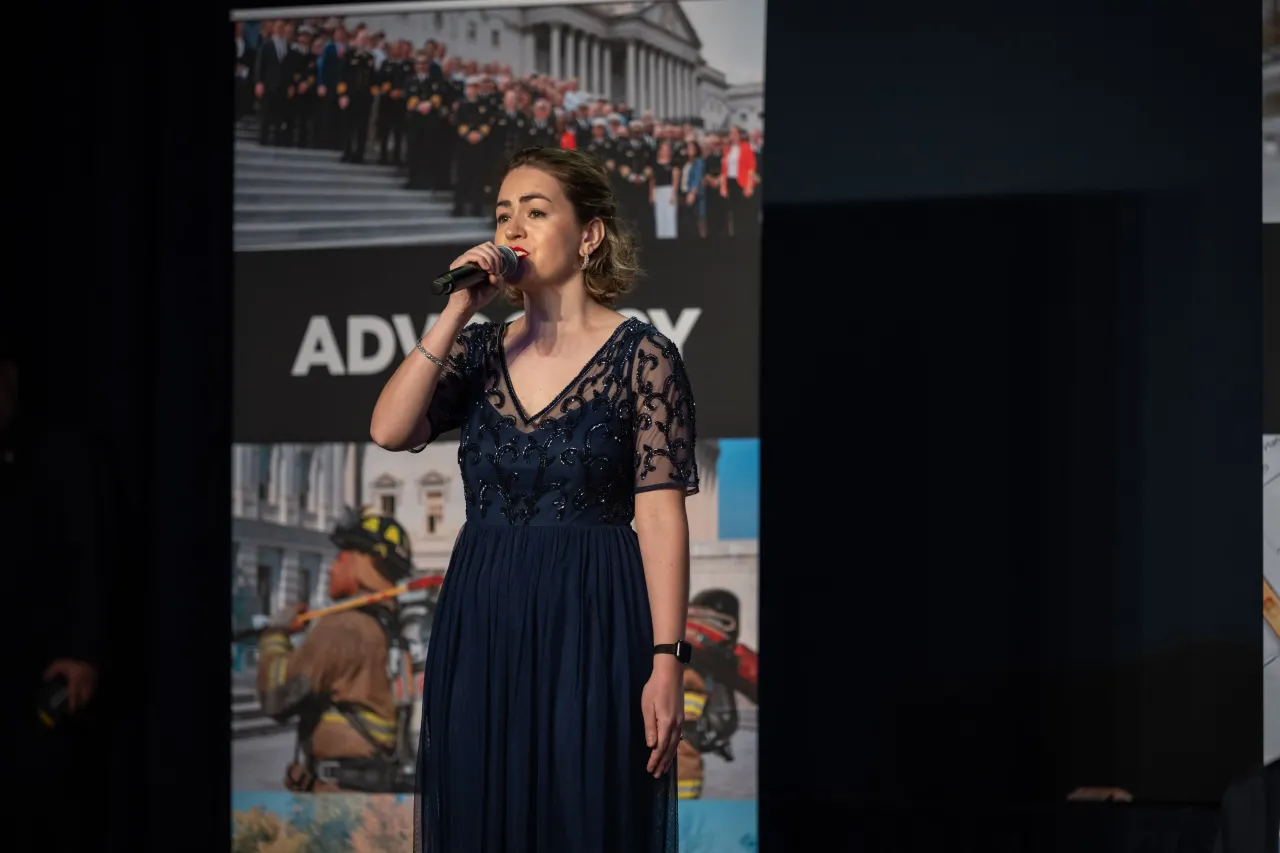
(550, 717)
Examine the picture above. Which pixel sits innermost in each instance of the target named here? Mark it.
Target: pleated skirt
(532, 733)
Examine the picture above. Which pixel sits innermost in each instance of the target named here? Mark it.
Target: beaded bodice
(624, 425)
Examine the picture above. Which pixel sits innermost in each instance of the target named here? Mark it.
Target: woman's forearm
(663, 530)
(399, 415)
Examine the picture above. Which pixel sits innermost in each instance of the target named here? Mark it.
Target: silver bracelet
(429, 356)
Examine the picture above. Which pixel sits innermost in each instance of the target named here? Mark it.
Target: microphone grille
(510, 262)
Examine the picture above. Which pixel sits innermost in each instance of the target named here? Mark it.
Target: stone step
(251, 148)
(345, 196)
(316, 169)
(246, 712)
(341, 228)
(327, 212)
(355, 239)
(258, 176)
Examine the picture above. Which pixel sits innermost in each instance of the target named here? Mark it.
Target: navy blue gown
(532, 734)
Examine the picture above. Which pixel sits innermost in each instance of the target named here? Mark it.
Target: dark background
(1271, 327)
(1051, 487)
(278, 292)
(1131, 130)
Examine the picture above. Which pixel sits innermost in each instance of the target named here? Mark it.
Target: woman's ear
(592, 237)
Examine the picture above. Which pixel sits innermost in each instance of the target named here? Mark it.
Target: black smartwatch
(682, 650)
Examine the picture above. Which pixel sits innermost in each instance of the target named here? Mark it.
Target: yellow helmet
(379, 536)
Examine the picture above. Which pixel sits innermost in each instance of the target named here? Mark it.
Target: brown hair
(613, 268)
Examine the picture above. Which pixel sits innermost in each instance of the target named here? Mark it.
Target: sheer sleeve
(665, 423)
(458, 385)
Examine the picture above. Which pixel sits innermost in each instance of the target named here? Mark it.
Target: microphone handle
(467, 275)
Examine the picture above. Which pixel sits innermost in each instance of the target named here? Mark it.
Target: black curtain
(1020, 437)
(123, 156)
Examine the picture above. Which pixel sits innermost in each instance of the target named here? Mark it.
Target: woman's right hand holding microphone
(467, 301)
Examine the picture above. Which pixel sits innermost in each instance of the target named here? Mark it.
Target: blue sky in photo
(738, 473)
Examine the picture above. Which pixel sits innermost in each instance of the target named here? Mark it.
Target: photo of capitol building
(287, 497)
(644, 54)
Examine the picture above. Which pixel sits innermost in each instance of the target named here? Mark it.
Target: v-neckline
(511, 388)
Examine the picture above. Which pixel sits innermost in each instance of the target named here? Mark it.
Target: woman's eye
(503, 218)
(537, 214)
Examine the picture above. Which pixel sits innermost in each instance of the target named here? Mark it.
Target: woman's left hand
(663, 705)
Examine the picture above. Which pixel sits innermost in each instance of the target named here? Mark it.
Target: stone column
(668, 86)
(660, 87)
(606, 70)
(683, 89)
(651, 83)
(528, 53)
(555, 70)
(632, 93)
(597, 69)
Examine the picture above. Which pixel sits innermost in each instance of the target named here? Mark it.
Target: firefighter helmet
(379, 536)
(721, 602)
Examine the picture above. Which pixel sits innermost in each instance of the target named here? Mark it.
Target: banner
(367, 152)
(318, 332)
(1270, 603)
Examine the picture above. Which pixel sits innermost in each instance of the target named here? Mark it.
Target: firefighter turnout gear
(350, 683)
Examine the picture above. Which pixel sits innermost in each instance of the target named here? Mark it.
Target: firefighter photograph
(347, 683)
(712, 682)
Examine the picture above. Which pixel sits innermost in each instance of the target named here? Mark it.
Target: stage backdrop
(1271, 606)
(339, 227)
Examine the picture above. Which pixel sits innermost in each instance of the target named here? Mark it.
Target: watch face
(683, 651)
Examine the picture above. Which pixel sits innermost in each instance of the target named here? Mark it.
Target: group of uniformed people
(454, 132)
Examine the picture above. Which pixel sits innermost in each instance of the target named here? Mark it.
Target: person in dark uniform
(271, 85)
(508, 132)
(472, 119)
(604, 148)
(579, 125)
(245, 63)
(331, 115)
(600, 145)
(355, 99)
(637, 169)
(489, 93)
(303, 73)
(342, 682)
(541, 129)
(392, 77)
(430, 139)
(621, 164)
(679, 146)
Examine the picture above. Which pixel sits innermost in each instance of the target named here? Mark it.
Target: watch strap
(681, 649)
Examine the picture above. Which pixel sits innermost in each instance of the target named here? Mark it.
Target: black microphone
(469, 275)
